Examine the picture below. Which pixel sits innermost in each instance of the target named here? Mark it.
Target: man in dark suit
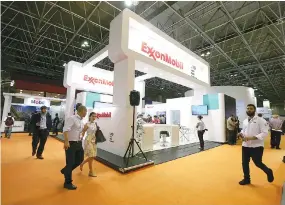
(41, 123)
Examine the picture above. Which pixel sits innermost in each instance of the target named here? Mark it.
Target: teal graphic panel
(212, 101)
(90, 98)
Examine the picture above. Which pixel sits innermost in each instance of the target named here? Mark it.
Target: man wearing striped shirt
(276, 131)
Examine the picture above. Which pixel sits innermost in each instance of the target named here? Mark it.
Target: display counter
(153, 134)
(17, 127)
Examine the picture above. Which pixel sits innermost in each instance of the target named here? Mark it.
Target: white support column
(124, 75)
(7, 106)
(70, 100)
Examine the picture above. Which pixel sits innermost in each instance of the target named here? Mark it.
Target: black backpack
(9, 121)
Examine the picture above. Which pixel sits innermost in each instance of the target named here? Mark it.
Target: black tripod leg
(128, 149)
(141, 150)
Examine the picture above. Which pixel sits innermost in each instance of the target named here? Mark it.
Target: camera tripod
(131, 147)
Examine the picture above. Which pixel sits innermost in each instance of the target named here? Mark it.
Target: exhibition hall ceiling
(244, 42)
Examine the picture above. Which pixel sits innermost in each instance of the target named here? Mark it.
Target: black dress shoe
(40, 157)
(278, 148)
(270, 176)
(244, 182)
(33, 153)
(69, 186)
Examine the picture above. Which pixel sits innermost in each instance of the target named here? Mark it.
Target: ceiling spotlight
(202, 54)
(208, 53)
(64, 64)
(128, 2)
(12, 83)
(39, 94)
(85, 44)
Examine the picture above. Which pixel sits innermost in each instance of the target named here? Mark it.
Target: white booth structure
(135, 44)
(22, 111)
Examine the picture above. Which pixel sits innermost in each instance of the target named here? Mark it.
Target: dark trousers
(39, 136)
(256, 155)
(74, 157)
(275, 139)
(200, 136)
(232, 137)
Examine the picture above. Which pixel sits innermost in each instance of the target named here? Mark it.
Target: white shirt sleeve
(68, 124)
(263, 126)
(243, 127)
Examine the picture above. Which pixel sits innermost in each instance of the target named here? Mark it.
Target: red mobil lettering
(152, 53)
(104, 115)
(94, 81)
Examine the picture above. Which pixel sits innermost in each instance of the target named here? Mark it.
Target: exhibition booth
(135, 44)
(22, 112)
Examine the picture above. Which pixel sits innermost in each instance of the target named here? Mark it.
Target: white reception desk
(151, 135)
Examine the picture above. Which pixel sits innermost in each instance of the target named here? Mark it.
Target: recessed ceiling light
(64, 64)
(21, 90)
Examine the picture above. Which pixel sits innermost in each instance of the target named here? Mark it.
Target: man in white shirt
(253, 133)
(201, 128)
(74, 152)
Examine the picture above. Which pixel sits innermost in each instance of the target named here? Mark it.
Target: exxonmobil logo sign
(37, 102)
(94, 80)
(155, 54)
(104, 115)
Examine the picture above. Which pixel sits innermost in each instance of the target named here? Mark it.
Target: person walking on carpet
(90, 148)
(254, 131)
(41, 124)
(74, 152)
(9, 122)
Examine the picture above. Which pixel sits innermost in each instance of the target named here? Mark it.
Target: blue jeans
(8, 131)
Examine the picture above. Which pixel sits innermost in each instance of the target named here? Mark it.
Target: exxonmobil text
(162, 56)
(104, 115)
(94, 80)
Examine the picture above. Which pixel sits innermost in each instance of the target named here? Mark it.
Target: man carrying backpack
(9, 122)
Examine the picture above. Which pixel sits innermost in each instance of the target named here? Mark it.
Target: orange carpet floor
(209, 177)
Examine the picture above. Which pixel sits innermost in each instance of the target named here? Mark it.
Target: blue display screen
(199, 110)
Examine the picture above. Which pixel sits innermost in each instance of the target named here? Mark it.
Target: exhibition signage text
(37, 102)
(155, 54)
(104, 115)
(94, 81)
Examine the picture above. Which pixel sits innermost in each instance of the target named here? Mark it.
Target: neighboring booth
(22, 112)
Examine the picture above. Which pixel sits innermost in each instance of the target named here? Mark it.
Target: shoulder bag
(99, 135)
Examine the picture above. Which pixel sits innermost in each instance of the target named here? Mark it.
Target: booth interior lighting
(12, 83)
